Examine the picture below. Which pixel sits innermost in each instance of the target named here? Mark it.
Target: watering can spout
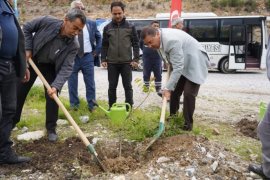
(103, 109)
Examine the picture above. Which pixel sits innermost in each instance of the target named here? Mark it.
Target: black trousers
(190, 90)
(48, 71)
(8, 81)
(114, 70)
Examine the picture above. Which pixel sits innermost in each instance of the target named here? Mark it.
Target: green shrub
(214, 3)
(236, 3)
(267, 4)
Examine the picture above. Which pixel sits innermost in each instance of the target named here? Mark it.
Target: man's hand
(104, 64)
(166, 93)
(28, 54)
(52, 91)
(26, 76)
(134, 64)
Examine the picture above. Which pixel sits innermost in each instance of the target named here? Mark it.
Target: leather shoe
(52, 137)
(257, 169)
(13, 158)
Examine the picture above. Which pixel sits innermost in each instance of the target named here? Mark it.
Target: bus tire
(224, 66)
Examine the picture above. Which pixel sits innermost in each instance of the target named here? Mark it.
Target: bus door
(237, 47)
(254, 46)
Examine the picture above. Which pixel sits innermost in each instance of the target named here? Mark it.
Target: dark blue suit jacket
(95, 36)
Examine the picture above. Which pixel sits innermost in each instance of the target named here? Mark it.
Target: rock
(209, 156)
(95, 140)
(221, 155)
(214, 166)
(254, 176)
(203, 150)
(190, 171)
(121, 177)
(253, 157)
(34, 135)
(235, 167)
(193, 178)
(105, 131)
(84, 119)
(15, 129)
(26, 171)
(62, 122)
(215, 131)
(163, 159)
(137, 175)
(24, 129)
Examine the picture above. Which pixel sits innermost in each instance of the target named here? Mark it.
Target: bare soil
(248, 127)
(64, 159)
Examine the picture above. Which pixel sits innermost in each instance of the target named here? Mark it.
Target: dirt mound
(69, 159)
(248, 127)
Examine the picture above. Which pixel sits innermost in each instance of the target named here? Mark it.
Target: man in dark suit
(90, 45)
(12, 68)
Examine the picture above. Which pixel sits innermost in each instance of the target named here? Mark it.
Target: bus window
(203, 30)
(163, 23)
(140, 24)
(225, 26)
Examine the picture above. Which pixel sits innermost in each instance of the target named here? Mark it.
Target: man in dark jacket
(151, 62)
(53, 48)
(119, 37)
(90, 45)
(12, 67)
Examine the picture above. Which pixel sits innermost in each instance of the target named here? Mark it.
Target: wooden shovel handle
(60, 104)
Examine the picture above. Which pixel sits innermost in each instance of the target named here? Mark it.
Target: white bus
(232, 42)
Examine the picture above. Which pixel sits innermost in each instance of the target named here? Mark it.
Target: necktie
(81, 50)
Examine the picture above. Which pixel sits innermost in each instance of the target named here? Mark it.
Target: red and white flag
(176, 8)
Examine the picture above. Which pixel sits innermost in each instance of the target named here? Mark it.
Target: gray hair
(148, 31)
(73, 14)
(76, 4)
(177, 21)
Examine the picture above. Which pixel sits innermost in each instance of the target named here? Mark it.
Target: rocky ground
(230, 98)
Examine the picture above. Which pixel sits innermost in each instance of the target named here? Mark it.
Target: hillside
(136, 8)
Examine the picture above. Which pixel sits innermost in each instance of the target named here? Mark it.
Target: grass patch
(231, 139)
(140, 125)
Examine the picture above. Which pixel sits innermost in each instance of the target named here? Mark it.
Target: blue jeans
(86, 65)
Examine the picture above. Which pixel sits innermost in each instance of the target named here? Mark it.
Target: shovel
(162, 117)
(89, 146)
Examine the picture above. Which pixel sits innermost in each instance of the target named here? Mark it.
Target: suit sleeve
(28, 29)
(176, 58)
(98, 39)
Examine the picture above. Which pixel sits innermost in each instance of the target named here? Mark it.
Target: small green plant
(214, 3)
(267, 4)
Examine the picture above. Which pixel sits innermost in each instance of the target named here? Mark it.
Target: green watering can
(118, 112)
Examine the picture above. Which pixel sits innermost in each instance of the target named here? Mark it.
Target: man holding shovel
(12, 67)
(52, 45)
(189, 62)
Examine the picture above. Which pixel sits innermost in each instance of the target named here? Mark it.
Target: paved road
(224, 97)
